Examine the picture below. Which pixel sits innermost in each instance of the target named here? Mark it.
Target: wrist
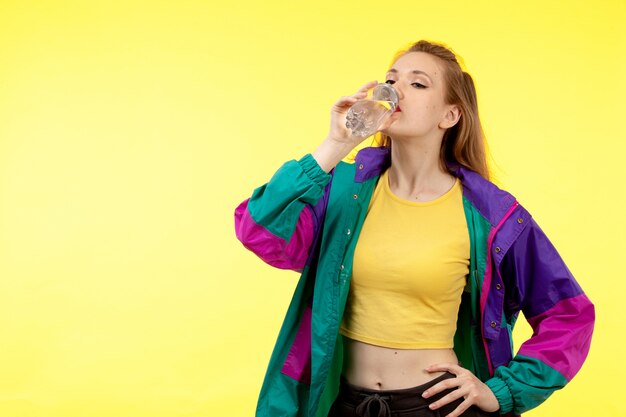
(502, 393)
(330, 152)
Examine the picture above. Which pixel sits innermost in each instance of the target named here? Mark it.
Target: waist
(396, 398)
(377, 367)
(355, 400)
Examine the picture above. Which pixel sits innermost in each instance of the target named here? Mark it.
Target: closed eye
(417, 85)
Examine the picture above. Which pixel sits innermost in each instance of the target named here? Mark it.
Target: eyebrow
(393, 70)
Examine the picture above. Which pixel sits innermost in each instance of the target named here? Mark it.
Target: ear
(451, 117)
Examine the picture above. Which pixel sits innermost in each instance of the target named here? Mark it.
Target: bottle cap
(385, 92)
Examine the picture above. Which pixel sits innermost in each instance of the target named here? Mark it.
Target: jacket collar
(490, 201)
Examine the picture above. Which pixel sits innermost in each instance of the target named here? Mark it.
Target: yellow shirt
(410, 266)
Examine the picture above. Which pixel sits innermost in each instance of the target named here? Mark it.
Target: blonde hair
(463, 143)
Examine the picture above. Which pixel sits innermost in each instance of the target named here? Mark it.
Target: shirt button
(360, 166)
(348, 232)
(342, 267)
(355, 196)
(498, 286)
(519, 220)
(497, 249)
(494, 324)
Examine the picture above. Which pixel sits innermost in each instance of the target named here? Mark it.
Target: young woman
(414, 267)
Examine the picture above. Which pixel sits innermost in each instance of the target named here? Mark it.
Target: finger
(460, 409)
(368, 86)
(345, 101)
(452, 396)
(452, 368)
(442, 386)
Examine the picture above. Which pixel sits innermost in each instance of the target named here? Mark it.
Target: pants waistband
(356, 395)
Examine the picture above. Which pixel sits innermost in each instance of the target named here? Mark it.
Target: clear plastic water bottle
(365, 116)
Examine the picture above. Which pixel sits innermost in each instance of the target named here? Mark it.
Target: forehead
(420, 61)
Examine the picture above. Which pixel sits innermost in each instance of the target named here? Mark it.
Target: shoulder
(493, 203)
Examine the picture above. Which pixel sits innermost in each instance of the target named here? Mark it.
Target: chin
(389, 130)
(395, 131)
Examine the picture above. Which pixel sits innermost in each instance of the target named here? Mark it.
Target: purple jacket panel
(490, 201)
(370, 162)
(534, 255)
(491, 296)
(319, 212)
(560, 314)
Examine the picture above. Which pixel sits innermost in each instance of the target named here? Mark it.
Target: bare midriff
(383, 368)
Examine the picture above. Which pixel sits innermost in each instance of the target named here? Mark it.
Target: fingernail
(425, 394)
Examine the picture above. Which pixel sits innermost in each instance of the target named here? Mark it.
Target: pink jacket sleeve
(281, 220)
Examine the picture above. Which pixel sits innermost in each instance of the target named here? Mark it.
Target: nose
(396, 87)
(400, 95)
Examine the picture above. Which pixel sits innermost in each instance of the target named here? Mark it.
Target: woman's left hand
(469, 386)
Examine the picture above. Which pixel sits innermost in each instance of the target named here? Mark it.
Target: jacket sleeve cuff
(313, 170)
(502, 393)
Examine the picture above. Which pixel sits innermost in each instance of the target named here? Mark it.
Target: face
(418, 79)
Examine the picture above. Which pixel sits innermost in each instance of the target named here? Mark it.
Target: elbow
(243, 224)
(272, 249)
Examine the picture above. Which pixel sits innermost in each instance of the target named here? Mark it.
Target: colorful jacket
(309, 221)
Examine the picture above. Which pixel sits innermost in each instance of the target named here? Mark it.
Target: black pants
(354, 401)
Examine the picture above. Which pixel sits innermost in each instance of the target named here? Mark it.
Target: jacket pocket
(297, 365)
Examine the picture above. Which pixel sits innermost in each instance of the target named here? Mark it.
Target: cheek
(425, 106)
(429, 113)
(421, 115)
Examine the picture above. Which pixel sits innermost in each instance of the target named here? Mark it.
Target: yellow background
(130, 130)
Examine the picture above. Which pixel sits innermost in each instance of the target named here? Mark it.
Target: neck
(415, 167)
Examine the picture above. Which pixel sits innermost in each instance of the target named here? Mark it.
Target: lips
(397, 109)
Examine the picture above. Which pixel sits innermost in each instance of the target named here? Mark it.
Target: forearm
(330, 152)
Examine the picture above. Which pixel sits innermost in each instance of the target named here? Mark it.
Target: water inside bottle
(365, 116)
(386, 104)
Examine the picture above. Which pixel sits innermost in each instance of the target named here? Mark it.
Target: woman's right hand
(338, 130)
(340, 141)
